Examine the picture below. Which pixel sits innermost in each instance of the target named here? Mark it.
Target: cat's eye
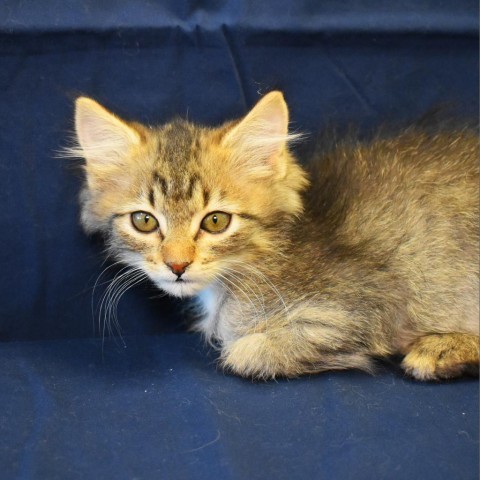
(216, 222)
(144, 222)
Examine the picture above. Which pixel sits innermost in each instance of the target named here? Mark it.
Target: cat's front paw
(258, 356)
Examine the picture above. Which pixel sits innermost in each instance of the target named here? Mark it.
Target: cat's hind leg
(442, 356)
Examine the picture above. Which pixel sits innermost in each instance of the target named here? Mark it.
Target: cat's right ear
(104, 139)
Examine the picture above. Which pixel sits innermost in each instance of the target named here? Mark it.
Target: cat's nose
(178, 268)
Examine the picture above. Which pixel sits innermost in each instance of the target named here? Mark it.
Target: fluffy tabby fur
(373, 252)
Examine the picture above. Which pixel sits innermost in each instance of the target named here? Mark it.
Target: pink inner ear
(275, 118)
(91, 129)
(102, 137)
(260, 137)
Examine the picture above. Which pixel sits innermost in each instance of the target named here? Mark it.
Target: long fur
(369, 251)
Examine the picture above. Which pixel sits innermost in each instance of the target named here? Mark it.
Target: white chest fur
(209, 301)
(214, 324)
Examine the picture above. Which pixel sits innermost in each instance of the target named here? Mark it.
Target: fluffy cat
(372, 252)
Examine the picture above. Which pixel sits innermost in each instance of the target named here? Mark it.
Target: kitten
(373, 252)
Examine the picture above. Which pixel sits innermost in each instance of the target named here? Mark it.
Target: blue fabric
(159, 408)
(328, 16)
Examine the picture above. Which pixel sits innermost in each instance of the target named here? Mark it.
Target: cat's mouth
(180, 287)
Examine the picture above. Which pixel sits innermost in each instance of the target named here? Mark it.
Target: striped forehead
(176, 174)
(176, 187)
(178, 143)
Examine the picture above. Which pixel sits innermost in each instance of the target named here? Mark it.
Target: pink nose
(178, 268)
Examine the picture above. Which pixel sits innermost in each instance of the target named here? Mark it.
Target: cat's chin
(180, 289)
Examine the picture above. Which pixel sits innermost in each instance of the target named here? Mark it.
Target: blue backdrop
(159, 408)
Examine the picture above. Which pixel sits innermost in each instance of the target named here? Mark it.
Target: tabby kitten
(373, 252)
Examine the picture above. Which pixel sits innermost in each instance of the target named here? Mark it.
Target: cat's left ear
(257, 143)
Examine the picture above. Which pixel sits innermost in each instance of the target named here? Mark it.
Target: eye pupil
(144, 222)
(216, 222)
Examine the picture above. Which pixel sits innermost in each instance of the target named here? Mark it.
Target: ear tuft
(257, 142)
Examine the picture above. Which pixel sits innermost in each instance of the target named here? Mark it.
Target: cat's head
(187, 204)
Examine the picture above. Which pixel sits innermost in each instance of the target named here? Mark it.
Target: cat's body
(378, 256)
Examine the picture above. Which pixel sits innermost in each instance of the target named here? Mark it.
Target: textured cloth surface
(159, 408)
(328, 16)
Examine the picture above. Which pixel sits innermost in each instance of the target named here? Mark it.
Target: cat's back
(388, 188)
(396, 220)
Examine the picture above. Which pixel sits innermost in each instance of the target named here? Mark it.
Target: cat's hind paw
(442, 356)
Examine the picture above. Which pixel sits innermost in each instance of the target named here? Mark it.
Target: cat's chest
(213, 324)
(209, 300)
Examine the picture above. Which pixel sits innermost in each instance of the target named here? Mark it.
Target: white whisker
(98, 284)
(232, 292)
(124, 279)
(261, 301)
(129, 283)
(261, 276)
